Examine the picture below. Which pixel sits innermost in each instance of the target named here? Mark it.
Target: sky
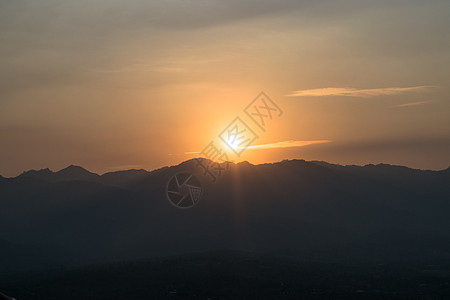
(120, 84)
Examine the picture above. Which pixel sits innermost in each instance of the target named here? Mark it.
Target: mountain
(77, 173)
(44, 174)
(71, 173)
(309, 210)
(123, 178)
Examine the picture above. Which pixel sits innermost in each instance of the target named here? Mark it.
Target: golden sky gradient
(141, 84)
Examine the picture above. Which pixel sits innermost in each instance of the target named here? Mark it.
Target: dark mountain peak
(383, 165)
(382, 169)
(121, 178)
(67, 174)
(74, 168)
(301, 164)
(391, 170)
(245, 164)
(73, 172)
(40, 171)
(130, 171)
(194, 160)
(287, 161)
(40, 174)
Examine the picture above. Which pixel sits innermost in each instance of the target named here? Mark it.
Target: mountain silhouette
(77, 173)
(123, 178)
(71, 173)
(310, 210)
(45, 174)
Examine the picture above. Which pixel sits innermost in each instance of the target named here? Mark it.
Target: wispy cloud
(352, 92)
(283, 144)
(287, 144)
(412, 103)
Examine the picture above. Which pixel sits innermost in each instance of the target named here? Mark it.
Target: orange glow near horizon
(157, 90)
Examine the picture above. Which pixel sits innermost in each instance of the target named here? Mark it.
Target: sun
(233, 144)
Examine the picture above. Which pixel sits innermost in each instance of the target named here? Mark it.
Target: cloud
(412, 103)
(287, 144)
(352, 92)
(283, 144)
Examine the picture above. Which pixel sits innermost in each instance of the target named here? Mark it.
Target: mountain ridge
(294, 207)
(75, 168)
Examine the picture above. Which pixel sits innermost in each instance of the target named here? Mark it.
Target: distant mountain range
(76, 173)
(310, 210)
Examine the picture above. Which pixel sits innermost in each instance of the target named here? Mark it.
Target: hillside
(309, 210)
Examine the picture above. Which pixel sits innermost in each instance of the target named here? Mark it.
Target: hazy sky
(116, 84)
